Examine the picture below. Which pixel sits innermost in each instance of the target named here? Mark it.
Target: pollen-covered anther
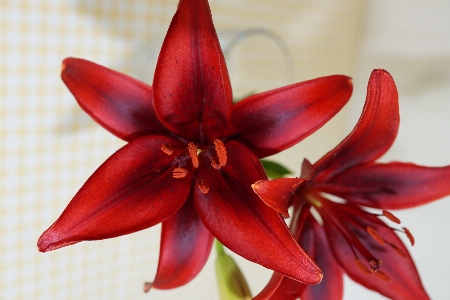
(373, 233)
(409, 235)
(204, 188)
(193, 154)
(362, 267)
(179, 172)
(398, 250)
(390, 216)
(221, 152)
(383, 276)
(215, 164)
(167, 149)
(375, 264)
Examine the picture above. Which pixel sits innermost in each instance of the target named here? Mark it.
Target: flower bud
(232, 284)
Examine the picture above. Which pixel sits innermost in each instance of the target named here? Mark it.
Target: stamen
(409, 235)
(375, 265)
(204, 188)
(391, 217)
(167, 149)
(193, 154)
(383, 276)
(398, 250)
(375, 235)
(221, 152)
(215, 164)
(362, 267)
(147, 286)
(179, 172)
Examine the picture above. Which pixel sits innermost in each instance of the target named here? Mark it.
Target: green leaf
(231, 281)
(274, 170)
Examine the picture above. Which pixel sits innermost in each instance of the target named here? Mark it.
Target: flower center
(354, 224)
(217, 154)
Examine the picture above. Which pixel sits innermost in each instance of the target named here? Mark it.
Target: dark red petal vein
(185, 247)
(393, 185)
(275, 120)
(192, 90)
(121, 104)
(133, 190)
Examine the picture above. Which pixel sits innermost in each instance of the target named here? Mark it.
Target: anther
(362, 267)
(193, 154)
(383, 276)
(204, 188)
(375, 265)
(398, 250)
(375, 235)
(409, 235)
(215, 164)
(179, 172)
(390, 216)
(221, 152)
(167, 149)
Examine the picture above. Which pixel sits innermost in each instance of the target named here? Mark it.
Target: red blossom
(191, 155)
(364, 245)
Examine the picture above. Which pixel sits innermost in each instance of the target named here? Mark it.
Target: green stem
(219, 247)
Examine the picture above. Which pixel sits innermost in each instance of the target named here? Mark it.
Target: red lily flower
(363, 246)
(191, 155)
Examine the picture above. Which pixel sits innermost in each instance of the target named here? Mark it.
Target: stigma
(188, 159)
(359, 230)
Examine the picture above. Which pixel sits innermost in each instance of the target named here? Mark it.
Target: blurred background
(49, 146)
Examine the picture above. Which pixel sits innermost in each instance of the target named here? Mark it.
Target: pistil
(218, 160)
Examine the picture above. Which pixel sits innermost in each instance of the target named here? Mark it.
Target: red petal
(119, 103)
(192, 90)
(270, 288)
(243, 223)
(372, 136)
(133, 190)
(405, 281)
(314, 242)
(278, 119)
(288, 288)
(185, 247)
(313, 239)
(307, 170)
(391, 186)
(277, 193)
